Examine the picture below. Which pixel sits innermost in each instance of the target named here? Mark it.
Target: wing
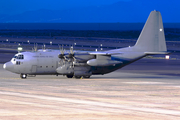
(104, 53)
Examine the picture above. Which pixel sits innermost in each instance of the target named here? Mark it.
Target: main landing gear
(69, 76)
(23, 76)
(77, 77)
(87, 76)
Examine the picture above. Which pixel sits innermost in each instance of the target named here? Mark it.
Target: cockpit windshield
(20, 56)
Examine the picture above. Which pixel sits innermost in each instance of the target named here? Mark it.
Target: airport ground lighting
(20, 49)
(167, 57)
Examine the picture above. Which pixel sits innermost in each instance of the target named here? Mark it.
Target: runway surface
(125, 94)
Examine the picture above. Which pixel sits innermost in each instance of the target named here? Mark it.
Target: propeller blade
(71, 50)
(35, 47)
(63, 50)
(61, 56)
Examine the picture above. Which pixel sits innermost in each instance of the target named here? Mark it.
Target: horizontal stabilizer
(156, 53)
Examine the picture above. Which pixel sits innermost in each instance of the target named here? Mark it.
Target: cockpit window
(15, 57)
(20, 57)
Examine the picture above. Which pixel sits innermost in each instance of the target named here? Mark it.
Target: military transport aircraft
(84, 63)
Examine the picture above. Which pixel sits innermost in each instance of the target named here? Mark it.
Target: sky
(20, 6)
(86, 11)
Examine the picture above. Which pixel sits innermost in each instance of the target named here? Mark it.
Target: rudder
(152, 37)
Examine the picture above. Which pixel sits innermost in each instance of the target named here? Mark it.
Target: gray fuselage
(46, 62)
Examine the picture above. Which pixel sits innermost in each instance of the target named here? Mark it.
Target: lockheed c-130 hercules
(84, 63)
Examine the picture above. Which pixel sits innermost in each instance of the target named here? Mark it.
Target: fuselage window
(18, 62)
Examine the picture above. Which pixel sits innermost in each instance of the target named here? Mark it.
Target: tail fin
(152, 37)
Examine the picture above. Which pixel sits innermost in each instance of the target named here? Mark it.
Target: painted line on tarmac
(145, 83)
(94, 103)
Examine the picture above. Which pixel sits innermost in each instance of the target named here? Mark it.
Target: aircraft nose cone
(4, 66)
(8, 66)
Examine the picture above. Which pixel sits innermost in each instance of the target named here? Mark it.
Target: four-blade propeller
(70, 57)
(71, 54)
(62, 56)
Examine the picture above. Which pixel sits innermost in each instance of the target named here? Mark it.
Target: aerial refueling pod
(101, 62)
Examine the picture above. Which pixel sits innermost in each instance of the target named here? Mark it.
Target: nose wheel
(23, 76)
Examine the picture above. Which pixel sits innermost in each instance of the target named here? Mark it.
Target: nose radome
(4, 66)
(8, 66)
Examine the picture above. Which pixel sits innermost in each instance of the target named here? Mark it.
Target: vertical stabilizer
(152, 37)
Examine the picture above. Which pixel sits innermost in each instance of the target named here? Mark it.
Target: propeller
(71, 53)
(62, 56)
(43, 47)
(71, 56)
(35, 47)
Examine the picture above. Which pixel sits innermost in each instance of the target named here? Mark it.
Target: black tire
(77, 77)
(87, 76)
(69, 76)
(23, 76)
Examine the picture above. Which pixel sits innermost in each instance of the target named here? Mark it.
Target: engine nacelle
(65, 69)
(102, 62)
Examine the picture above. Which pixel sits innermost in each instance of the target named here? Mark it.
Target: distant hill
(132, 11)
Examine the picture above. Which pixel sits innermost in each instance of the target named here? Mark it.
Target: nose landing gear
(23, 76)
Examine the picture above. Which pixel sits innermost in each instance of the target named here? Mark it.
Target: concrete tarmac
(126, 94)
